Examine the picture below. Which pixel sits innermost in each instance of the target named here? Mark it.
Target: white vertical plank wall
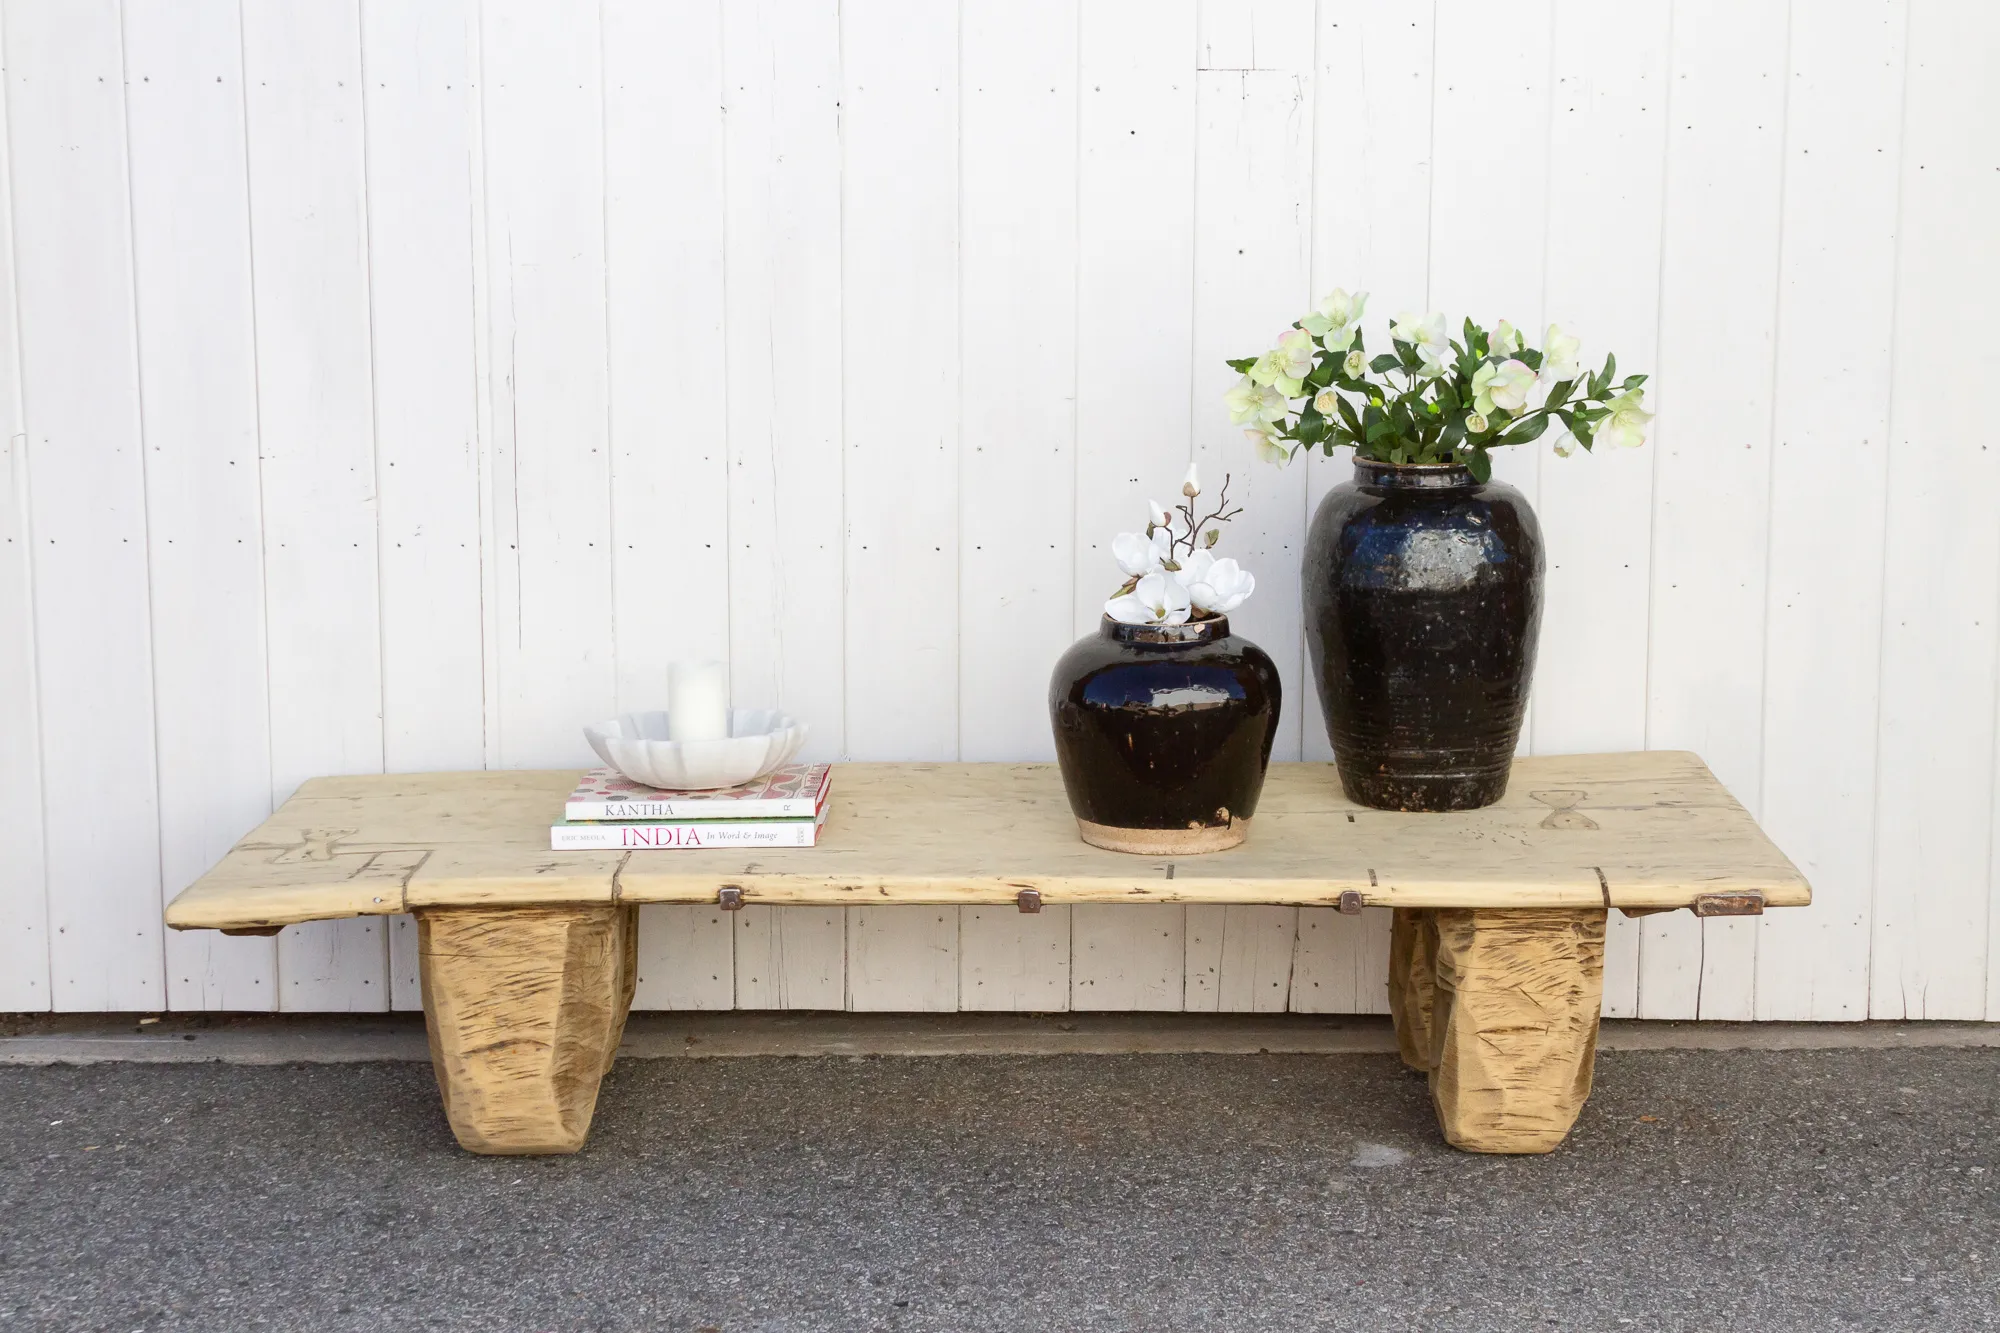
(400, 387)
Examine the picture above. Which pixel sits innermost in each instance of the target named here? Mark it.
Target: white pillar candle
(698, 701)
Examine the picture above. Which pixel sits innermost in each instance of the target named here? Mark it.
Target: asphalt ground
(1742, 1190)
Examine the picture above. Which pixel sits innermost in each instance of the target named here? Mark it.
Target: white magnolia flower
(1137, 554)
(1251, 402)
(1191, 483)
(1327, 403)
(1626, 425)
(1355, 364)
(1559, 355)
(1506, 339)
(1333, 321)
(1215, 585)
(1157, 600)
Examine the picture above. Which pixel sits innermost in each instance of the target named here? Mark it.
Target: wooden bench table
(528, 956)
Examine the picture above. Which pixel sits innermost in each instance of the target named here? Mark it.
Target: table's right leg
(1514, 1024)
(1412, 957)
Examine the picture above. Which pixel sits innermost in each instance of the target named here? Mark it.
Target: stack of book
(610, 812)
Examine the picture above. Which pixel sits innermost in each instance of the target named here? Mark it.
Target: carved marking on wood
(1514, 1024)
(1562, 809)
(315, 844)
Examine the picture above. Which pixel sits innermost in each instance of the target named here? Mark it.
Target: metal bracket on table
(1350, 902)
(1735, 902)
(730, 897)
(1029, 900)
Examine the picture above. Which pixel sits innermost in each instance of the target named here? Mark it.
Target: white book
(684, 834)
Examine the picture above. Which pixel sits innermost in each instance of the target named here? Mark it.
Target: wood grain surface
(1652, 829)
(1513, 1024)
(525, 1009)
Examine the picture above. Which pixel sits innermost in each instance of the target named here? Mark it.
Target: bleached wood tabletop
(527, 954)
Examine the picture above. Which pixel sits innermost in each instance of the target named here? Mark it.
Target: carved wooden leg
(1412, 955)
(1514, 1024)
(525, 1007)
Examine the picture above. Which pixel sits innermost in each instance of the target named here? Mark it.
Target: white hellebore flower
(1286, 366)
(1506, 339)
(1476, 424)
(1270, 445)
(1559, 355)
(1158, 600)
(1627, 423)
(1215, 585)
(1334, 320)
(1191, 483)
(1355, 364)
(1250, 402)
(1137, 554)
(1511, 384)
(1426, 337)
(1327, 403)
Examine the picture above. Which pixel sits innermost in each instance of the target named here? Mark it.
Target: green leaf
(1480, 465)
(1475, 338)
(1610, 368)
(1406, 355)
(1529, 429)
(1531, 356)
(1384, 363)
(1347, 414)
(1322, 374)
(1560, 394)
(1242, 366)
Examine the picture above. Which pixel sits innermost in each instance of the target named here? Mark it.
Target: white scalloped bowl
(636, 744)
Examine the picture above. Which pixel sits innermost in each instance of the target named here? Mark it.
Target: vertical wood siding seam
(478, 214)
(25, 508)
(257, 410)
(722, 332)
(1770, 459)
(618, 704)
(145, 489)
(1888, 477)
(374, 399)
(1653, 484)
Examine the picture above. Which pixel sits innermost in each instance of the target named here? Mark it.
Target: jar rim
(1190, 632)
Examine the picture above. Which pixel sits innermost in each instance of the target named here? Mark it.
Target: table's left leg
(525, 1007)
(1514, 1024)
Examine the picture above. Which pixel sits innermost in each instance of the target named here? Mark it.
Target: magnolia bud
(1191, 484)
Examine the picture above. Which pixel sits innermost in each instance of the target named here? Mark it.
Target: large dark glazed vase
(1423, 600)
(1163, 733)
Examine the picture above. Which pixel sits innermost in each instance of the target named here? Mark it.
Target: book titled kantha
(796, 791)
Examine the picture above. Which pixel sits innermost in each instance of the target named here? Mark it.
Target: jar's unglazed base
(1166, 841)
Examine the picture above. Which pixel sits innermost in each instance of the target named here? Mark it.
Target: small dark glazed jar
(1423, 601)
(1163, 733)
